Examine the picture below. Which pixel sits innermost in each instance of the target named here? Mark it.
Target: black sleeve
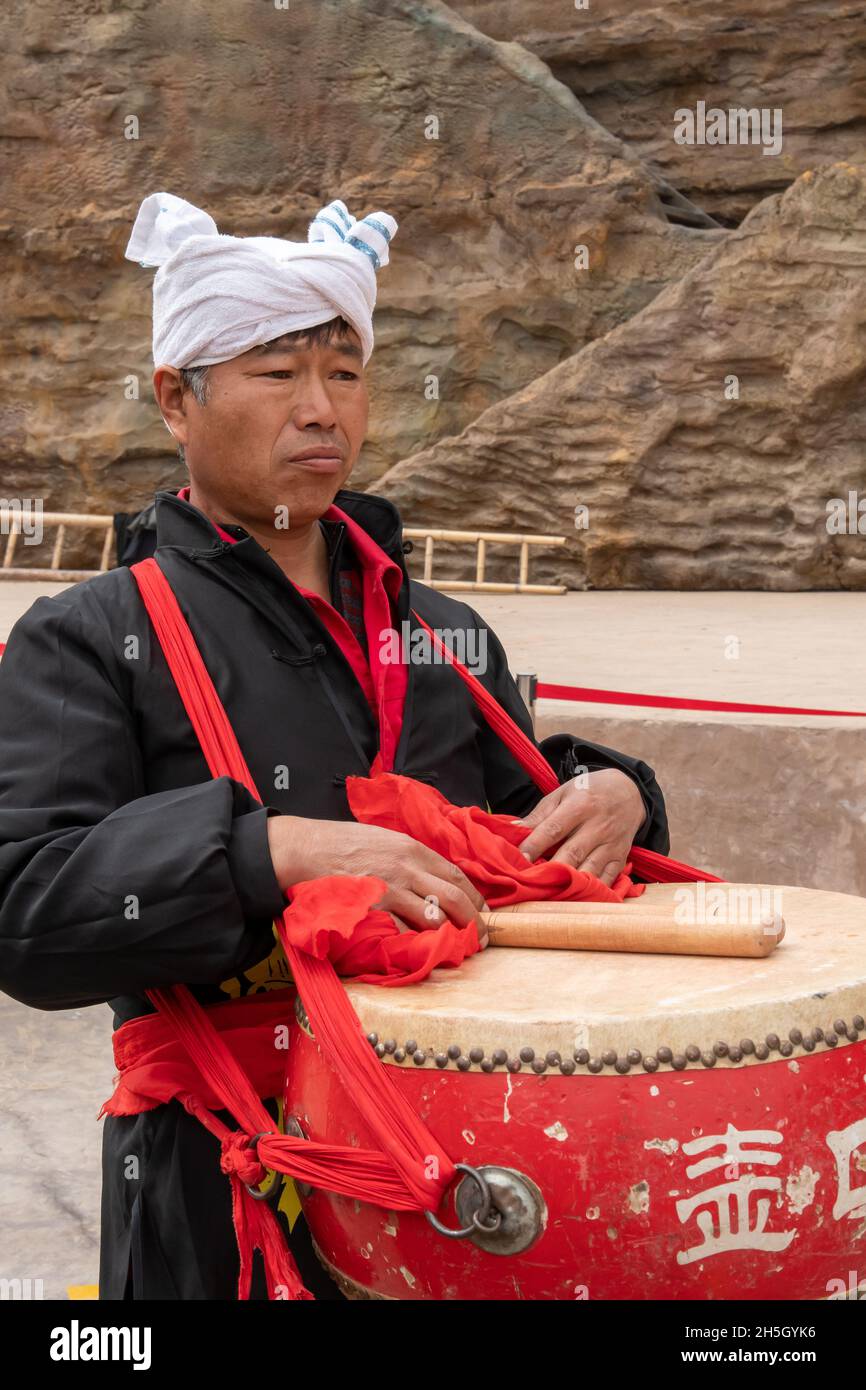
(105, 891)
(509, 789)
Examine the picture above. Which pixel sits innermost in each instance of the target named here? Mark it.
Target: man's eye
(284, 375)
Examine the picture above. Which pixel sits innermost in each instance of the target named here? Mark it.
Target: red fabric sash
(399, 1176)
(156, 1065)
(154, 1068)
(332, 918)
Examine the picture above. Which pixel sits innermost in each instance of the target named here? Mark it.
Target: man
(123, 865)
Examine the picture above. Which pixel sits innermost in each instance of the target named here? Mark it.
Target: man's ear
(171, 399)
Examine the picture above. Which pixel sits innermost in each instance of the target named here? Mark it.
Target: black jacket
(124, 866)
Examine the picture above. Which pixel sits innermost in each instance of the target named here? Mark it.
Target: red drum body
(654, 1127)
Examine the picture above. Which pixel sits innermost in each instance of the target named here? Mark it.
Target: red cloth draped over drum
(335, 917)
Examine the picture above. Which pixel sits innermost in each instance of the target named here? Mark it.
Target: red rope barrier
(589, 695)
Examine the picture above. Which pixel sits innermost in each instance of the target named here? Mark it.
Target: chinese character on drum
(746, 1235)
(844, 1144)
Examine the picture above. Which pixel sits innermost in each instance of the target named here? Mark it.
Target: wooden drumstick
(602, 927)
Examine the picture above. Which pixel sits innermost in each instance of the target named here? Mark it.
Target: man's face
(263, 410)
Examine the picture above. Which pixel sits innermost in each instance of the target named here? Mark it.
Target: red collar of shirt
(384, 683)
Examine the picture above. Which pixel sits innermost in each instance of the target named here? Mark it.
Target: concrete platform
(754, 798)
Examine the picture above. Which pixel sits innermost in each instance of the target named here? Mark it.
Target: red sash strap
(159, 1059)
(397, 1178)
(154, 1068)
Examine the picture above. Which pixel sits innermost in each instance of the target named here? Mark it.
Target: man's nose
(312, 404)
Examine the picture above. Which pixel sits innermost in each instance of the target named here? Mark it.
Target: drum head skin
(614, 1012)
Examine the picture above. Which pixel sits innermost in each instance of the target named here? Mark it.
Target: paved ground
(777, 649)
(772, 649)
(16, 597)
(57, 1070)
(793, 648)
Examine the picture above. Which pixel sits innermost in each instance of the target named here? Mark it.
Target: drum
(635, 1126)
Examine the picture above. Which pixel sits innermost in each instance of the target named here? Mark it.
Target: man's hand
(423, 889)
(592, 819)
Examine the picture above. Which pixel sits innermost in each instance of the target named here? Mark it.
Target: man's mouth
(320, 460)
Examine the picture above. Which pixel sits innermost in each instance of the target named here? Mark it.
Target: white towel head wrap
(215, 297)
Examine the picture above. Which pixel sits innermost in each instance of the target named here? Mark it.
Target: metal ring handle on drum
(257, 1192)
(480, 1220)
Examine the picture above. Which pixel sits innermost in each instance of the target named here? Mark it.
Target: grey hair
(195, 379)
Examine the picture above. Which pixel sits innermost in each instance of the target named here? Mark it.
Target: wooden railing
(10, 526)
(481, 540)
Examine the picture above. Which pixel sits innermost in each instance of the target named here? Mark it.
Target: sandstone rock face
(261, 115)
(509, 384)
(632, 65)
(706, 437)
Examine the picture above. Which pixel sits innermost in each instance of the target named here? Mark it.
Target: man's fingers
(440, 868)
(551, 831)
(399, 923)
(410, 910)
(428, 904)
(574, 851)
(611, 871)
(542, 810)
(601, 864)
(456, 905)
(606, 861)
